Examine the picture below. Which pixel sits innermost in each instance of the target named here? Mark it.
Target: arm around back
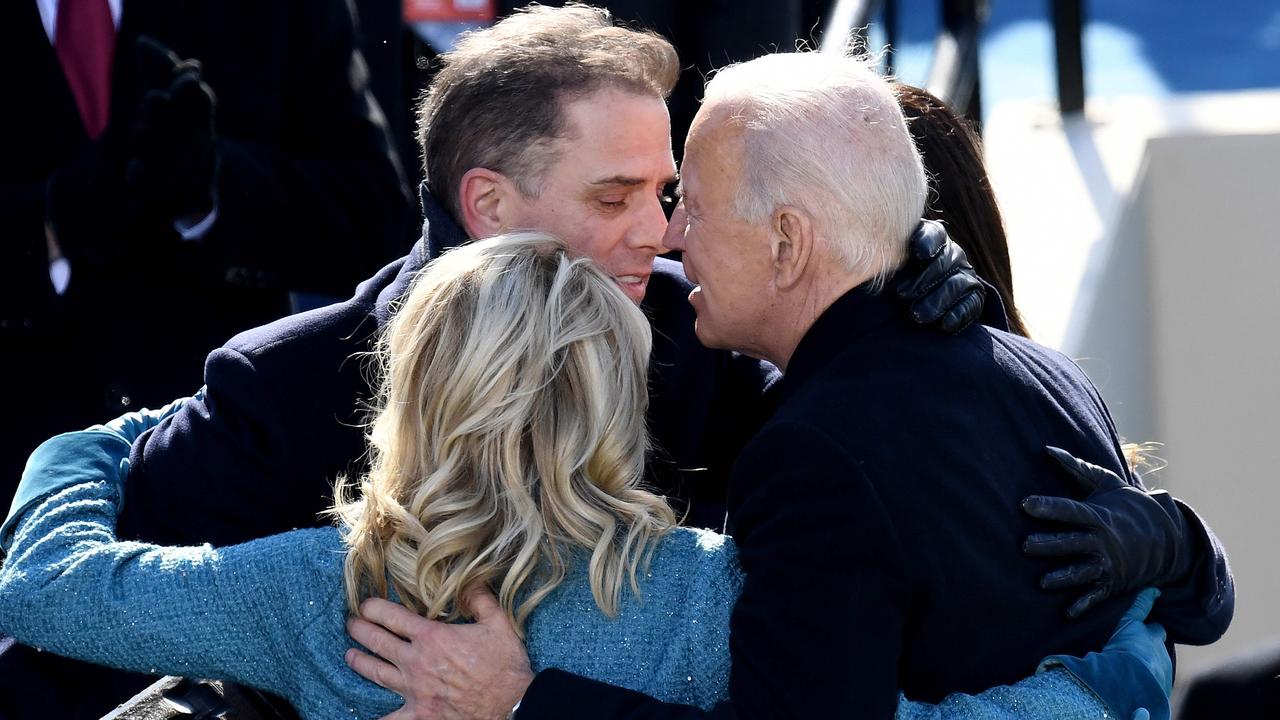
(212, 472)
(813, 633)
(258, 454)
(265, 613)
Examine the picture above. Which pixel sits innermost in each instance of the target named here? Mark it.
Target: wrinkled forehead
(712, 153)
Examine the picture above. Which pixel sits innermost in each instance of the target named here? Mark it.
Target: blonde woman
(508, 448)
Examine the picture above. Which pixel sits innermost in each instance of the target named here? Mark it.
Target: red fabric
(85, 41)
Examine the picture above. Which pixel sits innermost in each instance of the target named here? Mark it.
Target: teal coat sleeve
(55, 466)
(259, 614)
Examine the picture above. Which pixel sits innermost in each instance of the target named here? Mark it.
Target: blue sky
(1132, 47)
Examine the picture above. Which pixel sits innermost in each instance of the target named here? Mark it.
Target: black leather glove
(938, 283)
(173, 160)
(1124, 538)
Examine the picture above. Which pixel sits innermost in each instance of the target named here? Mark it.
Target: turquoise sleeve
(249, 613)
(130, 426)
(59, 463)
(1134, 671)
(85, 456)
(1050, 694)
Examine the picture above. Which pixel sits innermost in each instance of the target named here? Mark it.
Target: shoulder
(309, 347)
(798, 444)
(329, 326)
(797, 480)
(1020, 355)
(693, 551)
(670, 642)
(345, 322)
(1043, 371)
(666, 300)
(669, 276)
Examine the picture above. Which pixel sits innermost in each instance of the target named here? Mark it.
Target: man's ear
(485, 196)
(791, 244)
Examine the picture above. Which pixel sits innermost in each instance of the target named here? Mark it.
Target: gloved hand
(938, 282)
(1133, 675)
(173, 155)
(1127, 538)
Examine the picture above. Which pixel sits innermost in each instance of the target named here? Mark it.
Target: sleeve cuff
(1122, 690)
(59, 463)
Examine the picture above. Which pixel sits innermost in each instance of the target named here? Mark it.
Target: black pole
(891, 30)
(955, 75)
(1068, 29)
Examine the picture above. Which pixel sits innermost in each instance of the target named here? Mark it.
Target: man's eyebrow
(625, 180)
(629, 181)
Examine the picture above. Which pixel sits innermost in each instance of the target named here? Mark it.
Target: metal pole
(1068, 29)
(954, 73)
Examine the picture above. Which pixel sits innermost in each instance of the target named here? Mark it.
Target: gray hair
(824, 132)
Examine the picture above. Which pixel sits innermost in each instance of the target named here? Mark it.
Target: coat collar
(440, 232)
(854, 315)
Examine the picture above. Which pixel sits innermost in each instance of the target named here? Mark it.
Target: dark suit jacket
(877, 520)
(309, 198)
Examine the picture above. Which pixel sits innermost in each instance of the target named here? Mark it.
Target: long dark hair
(960, 194)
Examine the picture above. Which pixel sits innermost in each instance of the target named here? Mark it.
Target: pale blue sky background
(1132, 47)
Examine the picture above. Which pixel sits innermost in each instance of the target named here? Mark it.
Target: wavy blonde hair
(509, 435)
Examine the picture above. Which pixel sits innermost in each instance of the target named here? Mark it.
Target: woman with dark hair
(960, 194)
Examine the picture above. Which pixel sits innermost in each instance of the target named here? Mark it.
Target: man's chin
(707, 336)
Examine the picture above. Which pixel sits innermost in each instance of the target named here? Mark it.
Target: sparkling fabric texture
(271, 614)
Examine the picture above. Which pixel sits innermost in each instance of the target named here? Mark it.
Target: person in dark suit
(213, 155)
(216, 154)
(903, 454)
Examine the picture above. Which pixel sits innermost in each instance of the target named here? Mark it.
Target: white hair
(824, 132)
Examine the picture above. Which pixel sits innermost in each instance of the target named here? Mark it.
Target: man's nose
(647, 233)
(673, 239)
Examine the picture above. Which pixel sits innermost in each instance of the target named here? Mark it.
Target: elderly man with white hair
(800, 187)
(876, 513)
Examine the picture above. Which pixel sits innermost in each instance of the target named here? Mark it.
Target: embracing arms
(1122, 538)
(804, 641)
(70, 587)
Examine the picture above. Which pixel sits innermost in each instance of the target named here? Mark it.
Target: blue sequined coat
(271, 613)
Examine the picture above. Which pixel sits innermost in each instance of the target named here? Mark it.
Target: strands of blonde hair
(509, 438)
